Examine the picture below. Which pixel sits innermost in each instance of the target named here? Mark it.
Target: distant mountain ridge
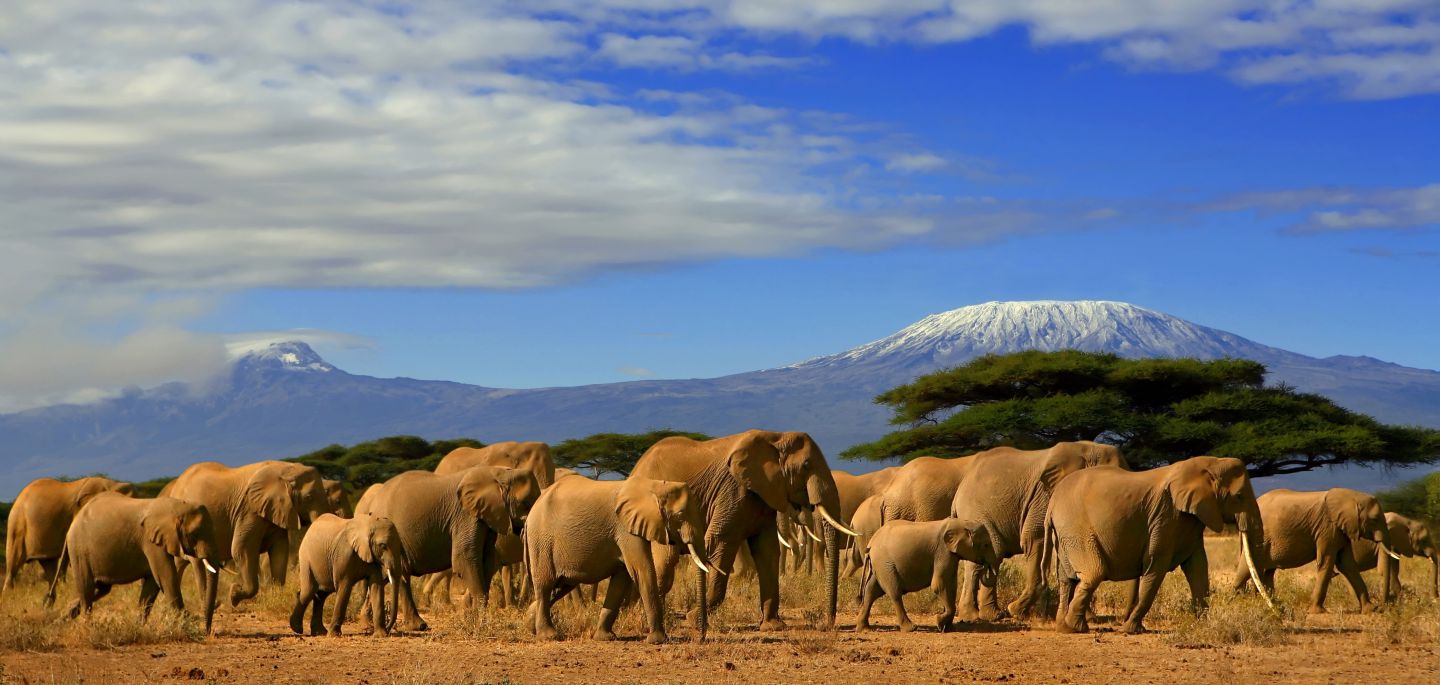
(283, 399)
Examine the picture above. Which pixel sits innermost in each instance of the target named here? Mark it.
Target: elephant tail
(59, 571)
(865, 576)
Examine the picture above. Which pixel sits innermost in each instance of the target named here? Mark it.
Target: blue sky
(602, 191)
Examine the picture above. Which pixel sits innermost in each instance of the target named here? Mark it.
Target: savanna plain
(1239, 639)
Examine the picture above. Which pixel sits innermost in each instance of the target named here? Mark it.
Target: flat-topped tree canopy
(1157, 411)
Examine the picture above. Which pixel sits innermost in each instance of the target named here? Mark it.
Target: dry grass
(1231, 619)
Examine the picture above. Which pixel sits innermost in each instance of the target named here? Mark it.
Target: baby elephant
(116, 540)
(338, 553)
(905, 556)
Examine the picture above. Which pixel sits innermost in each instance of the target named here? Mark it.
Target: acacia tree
(615, 453)
(1157, 410)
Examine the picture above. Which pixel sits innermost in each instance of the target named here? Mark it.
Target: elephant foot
(1133, 628)
(1020, 607)
(297, 624)
(862, 627)
(414, 625)
(1367, 608)
(772, 624)
(547, 633)
(1315, 609)
(380, 632)
(1069, 624)
(945, 625)
(657, 637)
(993, 614)
(333, 632)
(907, 627)
(968, 614)
(604, 635)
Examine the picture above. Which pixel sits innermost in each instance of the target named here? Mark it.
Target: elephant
(117, 539)
(905, 556)
(254, 508)
(452, 521)
(534, 457)
(923, 489)
(584, 531)
(41, 514)
(1335, 529)
(336, 554)
(1410, 538)
(742, 481)
(1106, 523)
(1008, 490)
(339, 502)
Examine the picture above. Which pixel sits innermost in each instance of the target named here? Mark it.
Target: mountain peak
(289, 355)
(958, 335)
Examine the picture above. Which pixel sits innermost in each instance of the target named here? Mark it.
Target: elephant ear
(1345, 512)
(271, 496)
(640, 506)
(164, 530)
(1193, 492)
(359, 532)
(482, 494)
(755, 464)
(957, 537)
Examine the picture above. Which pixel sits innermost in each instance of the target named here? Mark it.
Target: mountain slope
(283, 399)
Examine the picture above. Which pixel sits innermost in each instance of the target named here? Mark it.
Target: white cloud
(239, 344)
(1330, 210)
(916, 162)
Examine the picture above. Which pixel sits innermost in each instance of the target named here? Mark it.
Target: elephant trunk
(388, 616)
(702, 612)
(211, 581)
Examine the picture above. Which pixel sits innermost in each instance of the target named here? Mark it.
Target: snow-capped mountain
(283, 399)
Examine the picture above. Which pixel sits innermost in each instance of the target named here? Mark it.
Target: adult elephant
(254, 508)
(742, 481)
(1008, 491)
(924, 489)
(865, 522)
(452, 521)
(1410, 538)
(1335, 529)
(1106, 523)
(531, 456)
(41, 515)
(338, 504)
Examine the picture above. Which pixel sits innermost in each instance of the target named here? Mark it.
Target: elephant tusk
(695, 557)
(389, 578)
(1254, 573)
(208, 567)
(812, 535)
(831, 520)
(785, 544)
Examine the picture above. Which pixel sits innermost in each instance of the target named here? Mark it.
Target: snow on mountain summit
(291, 355)
(959, 335)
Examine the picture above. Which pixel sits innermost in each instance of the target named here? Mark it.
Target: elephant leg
(989, 605)
(50, 569)
(1132, 597)
(149, 590)
(615, 594)
(640, 567)
(1074, 619)
(411, 615)
(1197, 575)
(169, 583)
(1351, 572)
(15, 555)
(870, 590)
(1324, 571)
(946, 579)
(765, 549)
(891, 584)
(1149, 586)
(543, 577)
(278, 555)
(342, 603)
(969, 609)
(302, 601)
(1033, 578)
(505, 581)
(317, 613)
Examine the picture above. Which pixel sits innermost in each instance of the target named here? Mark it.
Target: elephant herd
(1074, 510)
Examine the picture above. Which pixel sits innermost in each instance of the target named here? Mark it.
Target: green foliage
(611, 452)
(362, 465)
(1157, 410)
(1418, 498)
